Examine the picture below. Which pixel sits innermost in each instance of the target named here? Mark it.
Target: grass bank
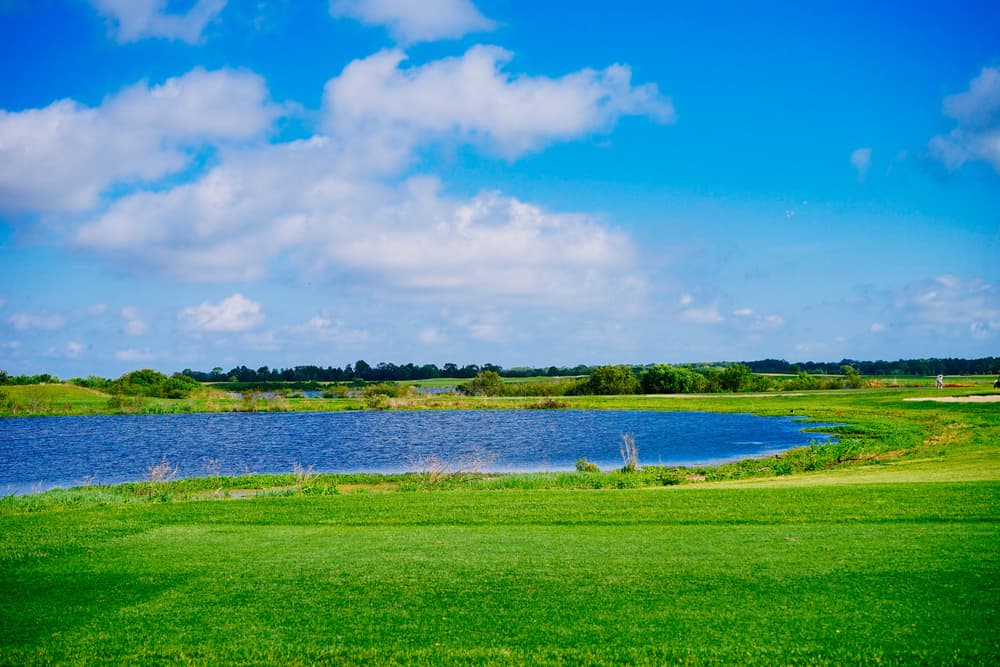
(816, 574)
(889, 556)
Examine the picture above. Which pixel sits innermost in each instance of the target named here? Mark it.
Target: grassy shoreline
(889, 556)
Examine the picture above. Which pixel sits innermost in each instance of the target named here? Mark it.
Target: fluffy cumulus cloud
(333, 204)
(63, 156)
(133, 20)
(948, 307)
(416, 20)
(976, 113)
(234, 313)
(470, 98)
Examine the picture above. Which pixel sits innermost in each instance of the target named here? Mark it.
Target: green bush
(612, 381)
(127, 404)
(583, 465)
(486, 383)
(147, 382)
(335, 391)
(664, 379)
(387, 389)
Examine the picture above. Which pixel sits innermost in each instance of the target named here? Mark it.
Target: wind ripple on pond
(38, 453)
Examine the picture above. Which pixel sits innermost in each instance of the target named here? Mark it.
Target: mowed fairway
(899, 573)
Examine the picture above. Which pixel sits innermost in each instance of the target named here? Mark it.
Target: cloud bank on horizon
(239, 182)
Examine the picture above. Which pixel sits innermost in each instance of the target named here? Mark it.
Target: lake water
(44, 452)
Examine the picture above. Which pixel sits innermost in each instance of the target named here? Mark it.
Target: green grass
(887, 551)
(819, 574)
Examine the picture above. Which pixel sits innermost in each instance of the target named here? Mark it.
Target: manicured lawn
(886, 552)
(902, 573)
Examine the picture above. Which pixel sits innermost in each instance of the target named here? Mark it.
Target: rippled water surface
(40, 453)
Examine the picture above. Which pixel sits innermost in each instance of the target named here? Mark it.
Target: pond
(45, 452)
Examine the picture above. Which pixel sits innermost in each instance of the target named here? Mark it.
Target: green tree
(612, 381)
(486, 383)
(851, 377)
(664, 379)
(737, 377)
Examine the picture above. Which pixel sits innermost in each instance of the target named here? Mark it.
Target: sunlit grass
(887, 556)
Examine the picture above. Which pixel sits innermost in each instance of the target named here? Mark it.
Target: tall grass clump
(630, 453)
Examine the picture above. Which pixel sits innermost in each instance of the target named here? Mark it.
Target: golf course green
(889, 556)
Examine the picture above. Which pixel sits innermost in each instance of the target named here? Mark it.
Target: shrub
(566, 387)
(92, 382)
(335, 391)
(126, 403)
(147, 382)
(548, 404)
(736, 378)
(612, 381)
(386, 389)
(664, 379)
(376, 401)
(486, 383)
(583, 465)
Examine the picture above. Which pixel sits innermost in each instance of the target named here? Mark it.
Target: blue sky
(276, 182)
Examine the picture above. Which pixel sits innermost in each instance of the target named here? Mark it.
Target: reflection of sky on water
(38, 453)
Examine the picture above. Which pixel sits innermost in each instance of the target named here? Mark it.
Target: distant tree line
(383, 372)
(389, 372)
(361, 371)
(902, 367)
(661, 379)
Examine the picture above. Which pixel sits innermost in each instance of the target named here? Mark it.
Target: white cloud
(322, 329)
(132, 354)
(432, 336)
(234, 313)
(749, 318)
(488, 326)
(135, 324)
(877, 328)
(810, 347)
(948, 307)
(63, 156)
(416, 20)
(291, 200)
(471, 98)
(335, 205)
(74, 350)
(319, 330)
(861, 160)
(24, 321)
(702, 315)
(977, 132)
(138, 19)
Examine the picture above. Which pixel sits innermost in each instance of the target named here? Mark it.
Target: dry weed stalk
(162, 472)
(302, 475)
(630, 453)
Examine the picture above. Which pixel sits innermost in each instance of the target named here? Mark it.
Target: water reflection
(39, 453)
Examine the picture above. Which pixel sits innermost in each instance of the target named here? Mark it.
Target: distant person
(996, 385)
(940, 381)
